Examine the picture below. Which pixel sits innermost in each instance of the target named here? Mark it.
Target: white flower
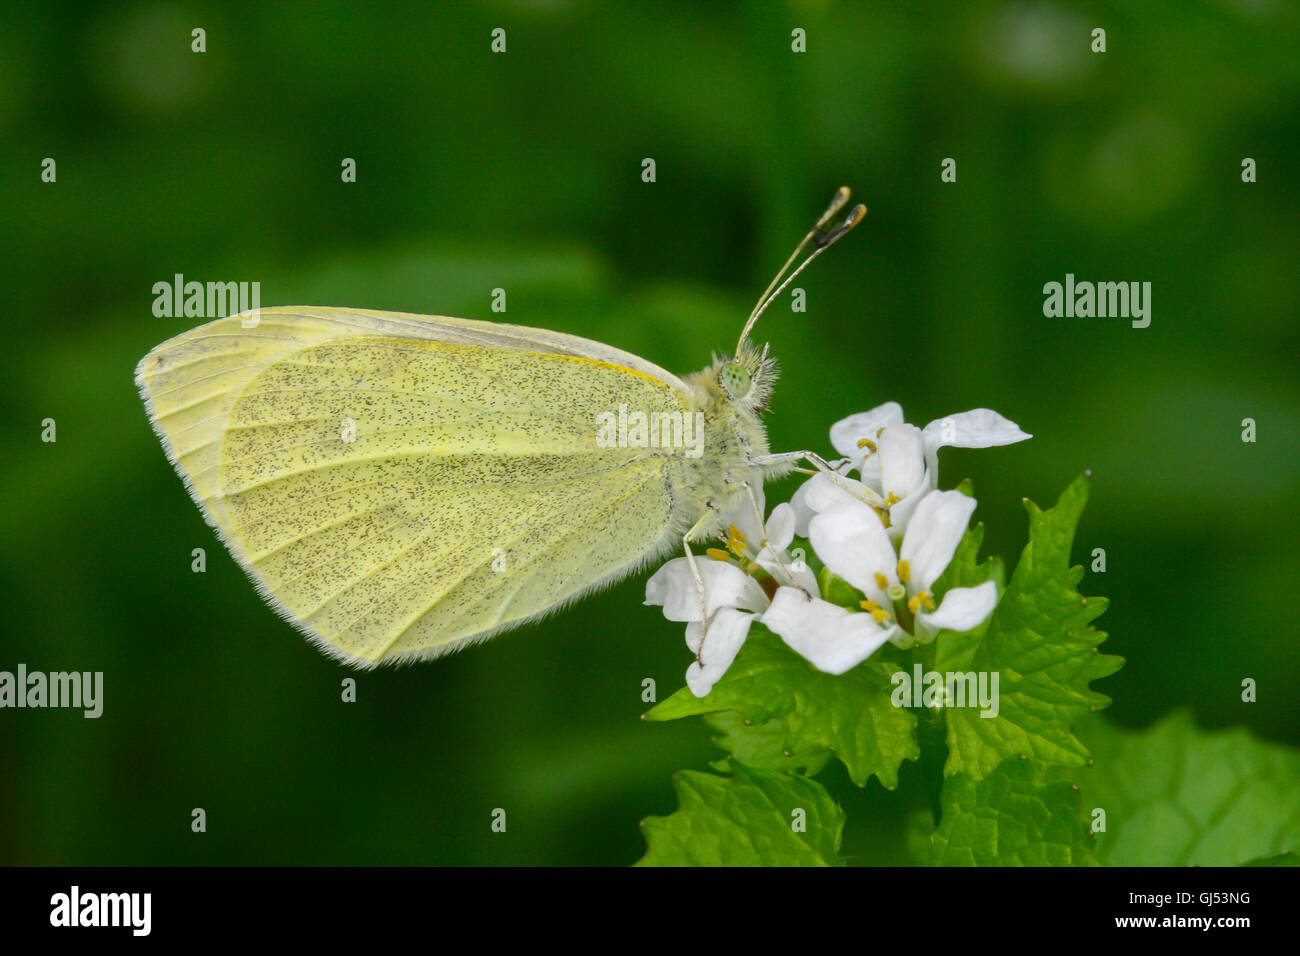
(852, 541)
(888, 532)
(772, 555)
(832, 638)
(897, 463)
(733, 598)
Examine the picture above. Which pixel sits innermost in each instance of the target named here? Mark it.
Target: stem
(930, 733)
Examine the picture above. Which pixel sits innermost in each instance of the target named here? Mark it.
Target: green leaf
(954, 651)
(965, 569)
(1176, 795)
(751, 818)
(836, 590)
(1282, 859)
(1008, 819)
(762, 745)
(1040, 644)
(850, 714)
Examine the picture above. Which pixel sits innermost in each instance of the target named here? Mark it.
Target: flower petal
(847, 432)
(869, 472)
(725, 585)
(727, 632)
(851, 541)
(785, 567)
(804, 578)
(933, 534)
(694, 630)
(902, 460)
(978, 428)
(746, 519)
(833, 639)
(900, 513)
(961, 609)
(780, 527)
(821, 492)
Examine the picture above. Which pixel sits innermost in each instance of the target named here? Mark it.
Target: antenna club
(837, 203)
(818, 238)
(829, 236)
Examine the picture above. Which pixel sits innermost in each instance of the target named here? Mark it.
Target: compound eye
(735, 379)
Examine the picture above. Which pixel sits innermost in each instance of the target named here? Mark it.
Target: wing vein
(586, 522)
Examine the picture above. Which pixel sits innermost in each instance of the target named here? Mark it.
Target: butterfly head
(747, 378)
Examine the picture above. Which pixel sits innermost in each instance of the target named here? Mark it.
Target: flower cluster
(888, 531)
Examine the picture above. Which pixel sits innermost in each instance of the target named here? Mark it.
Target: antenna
(819, 236)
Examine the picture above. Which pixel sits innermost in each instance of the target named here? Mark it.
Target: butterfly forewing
(397, 496)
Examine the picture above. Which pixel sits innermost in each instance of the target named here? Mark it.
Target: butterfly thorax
(731, 394)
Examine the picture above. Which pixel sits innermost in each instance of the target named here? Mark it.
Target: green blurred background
(523, 171)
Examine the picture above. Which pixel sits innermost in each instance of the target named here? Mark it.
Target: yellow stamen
(882, 582)
(867, 443)
(893, 499)
(921, 600)
(735, 541)
(878, 613)
(904, 571)
(717, 554)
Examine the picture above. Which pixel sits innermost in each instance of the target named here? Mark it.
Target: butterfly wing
(398, 485)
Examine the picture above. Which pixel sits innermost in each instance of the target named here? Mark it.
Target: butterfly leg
(786, 457)
(854, 488)
(762, 524)
(709, 512)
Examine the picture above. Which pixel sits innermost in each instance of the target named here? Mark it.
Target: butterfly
(398, 486)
